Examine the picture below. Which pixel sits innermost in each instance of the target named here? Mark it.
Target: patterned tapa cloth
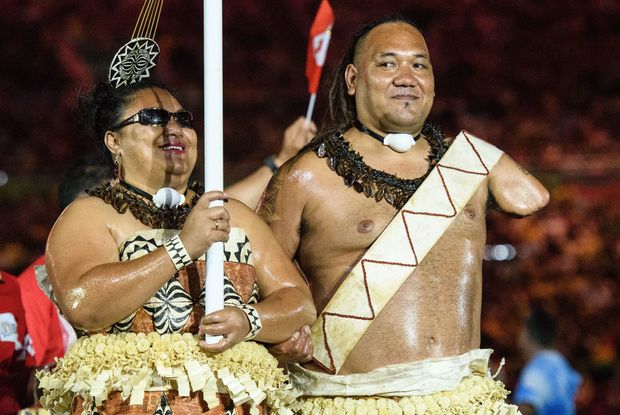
(175, 309)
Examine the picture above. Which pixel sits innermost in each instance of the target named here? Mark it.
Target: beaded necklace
(374, 183)
(122, 198)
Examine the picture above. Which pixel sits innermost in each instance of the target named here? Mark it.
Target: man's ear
(350, 77)
(111, 141)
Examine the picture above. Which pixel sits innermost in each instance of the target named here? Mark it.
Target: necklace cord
(361, 127)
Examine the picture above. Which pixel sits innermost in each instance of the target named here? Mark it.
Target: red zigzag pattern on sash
(332, 369)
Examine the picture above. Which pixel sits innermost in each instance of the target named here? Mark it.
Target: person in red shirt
(16, 354)
(51, 335)
(44, 326)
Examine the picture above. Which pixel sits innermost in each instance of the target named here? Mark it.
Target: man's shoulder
(303, 166)
(308, 158)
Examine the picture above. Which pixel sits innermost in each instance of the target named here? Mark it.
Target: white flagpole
(213, 147)
(310, 109)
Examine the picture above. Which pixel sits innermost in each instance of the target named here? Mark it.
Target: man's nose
(405, 76)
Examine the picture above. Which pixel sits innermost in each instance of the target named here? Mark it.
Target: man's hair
(541, 327)
(342, 110)
(85, 173)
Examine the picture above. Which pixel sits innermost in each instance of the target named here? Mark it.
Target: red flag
(320, 33)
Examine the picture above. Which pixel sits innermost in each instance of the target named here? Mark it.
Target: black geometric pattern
(92, 409)
(137, 247)
(170, 307)
(133, 61)
(253, 318)
(230, 408)
(163, 408)
(124, 325)
(237, 248)
(231, 297)
(178, 254)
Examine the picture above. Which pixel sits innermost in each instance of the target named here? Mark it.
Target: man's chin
(404, 125)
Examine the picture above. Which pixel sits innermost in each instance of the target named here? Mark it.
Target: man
(548, 384)
(379, 335)
(250, 188)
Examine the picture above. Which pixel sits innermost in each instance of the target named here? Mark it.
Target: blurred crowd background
(540, 79)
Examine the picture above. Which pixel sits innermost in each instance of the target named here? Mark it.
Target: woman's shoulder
(88, 206)
(90, 214)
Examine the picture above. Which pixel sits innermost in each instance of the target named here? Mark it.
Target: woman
(119, 265)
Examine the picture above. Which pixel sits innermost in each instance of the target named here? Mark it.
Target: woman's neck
(152, 188)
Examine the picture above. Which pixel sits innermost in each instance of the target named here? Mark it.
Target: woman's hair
(102, 107)
(342, 111)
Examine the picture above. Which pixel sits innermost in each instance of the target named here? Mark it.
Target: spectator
(51, 335)
(548, 384)
(16, 357)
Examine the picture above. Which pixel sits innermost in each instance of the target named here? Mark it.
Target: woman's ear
(350, 77)
(111, 141)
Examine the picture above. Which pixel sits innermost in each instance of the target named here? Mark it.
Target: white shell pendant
(399, 142)
(167, 196)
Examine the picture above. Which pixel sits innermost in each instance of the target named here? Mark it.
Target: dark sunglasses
(157, 117)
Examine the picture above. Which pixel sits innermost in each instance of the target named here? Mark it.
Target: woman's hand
(231, 323)
(205, 224)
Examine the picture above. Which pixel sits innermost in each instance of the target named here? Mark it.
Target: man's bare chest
(349, 222)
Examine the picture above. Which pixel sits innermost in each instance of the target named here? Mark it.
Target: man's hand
(298, 348)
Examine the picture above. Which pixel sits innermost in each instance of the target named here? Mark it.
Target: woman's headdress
(134, 60)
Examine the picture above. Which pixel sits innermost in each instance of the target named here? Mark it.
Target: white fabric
(423, 377)
(8, 330)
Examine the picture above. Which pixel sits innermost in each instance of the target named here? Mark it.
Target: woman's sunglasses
(157, 117)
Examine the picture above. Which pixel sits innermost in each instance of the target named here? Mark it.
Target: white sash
(400, 248)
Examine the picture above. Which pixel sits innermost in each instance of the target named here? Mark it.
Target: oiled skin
(436, 312)
(95, 289)
(327, 226)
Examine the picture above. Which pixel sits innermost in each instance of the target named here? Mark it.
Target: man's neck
(383, 129)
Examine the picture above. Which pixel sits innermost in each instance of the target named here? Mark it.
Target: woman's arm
(285, 300)
(94, 289)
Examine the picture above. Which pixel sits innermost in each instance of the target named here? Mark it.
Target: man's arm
(249, 189)
(286, 303)
(514, 190)
(282, 208)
